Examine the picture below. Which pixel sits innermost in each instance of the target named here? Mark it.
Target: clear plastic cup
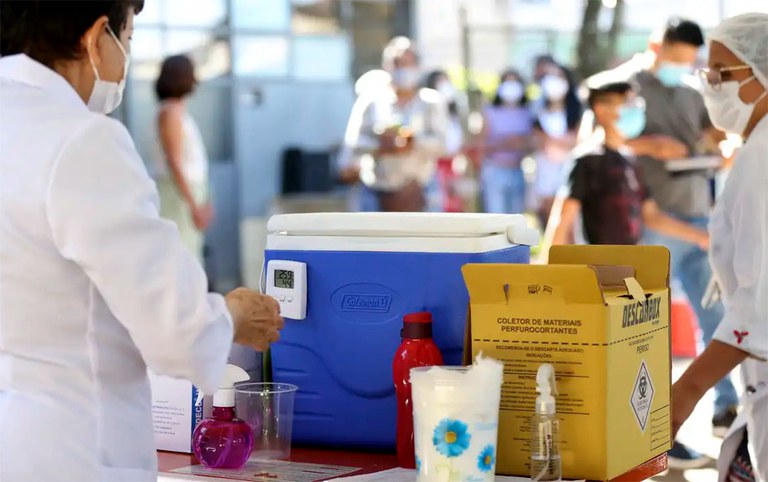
(456, 420)
(268, 409)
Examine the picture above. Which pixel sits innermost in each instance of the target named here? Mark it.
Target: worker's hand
(668, 148)
(395, 141)
(350, 175)
(202, 216)
(388, 141)
(703, 241)
(256, 318)
(684, 400)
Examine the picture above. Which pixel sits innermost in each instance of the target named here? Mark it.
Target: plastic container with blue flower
(456, 414)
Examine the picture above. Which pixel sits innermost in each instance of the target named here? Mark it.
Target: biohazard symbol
(641, 399)
(643, 387)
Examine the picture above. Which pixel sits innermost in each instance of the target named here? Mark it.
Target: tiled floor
(697, 433)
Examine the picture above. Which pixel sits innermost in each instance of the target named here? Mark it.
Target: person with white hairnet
(736, 95)
(396, 133)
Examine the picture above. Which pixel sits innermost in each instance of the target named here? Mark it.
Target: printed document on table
(406, 475)
(267, 471)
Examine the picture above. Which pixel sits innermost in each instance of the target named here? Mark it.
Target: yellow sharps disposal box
(600, 315)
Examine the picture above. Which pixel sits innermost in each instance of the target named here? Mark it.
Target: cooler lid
(407, 225)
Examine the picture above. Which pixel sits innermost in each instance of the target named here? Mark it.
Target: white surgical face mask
(446, 88)
(726, 109)
(406, 78)
(555, 88)
(511, 91)
(106, 96)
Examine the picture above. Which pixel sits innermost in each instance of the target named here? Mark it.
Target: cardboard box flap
(651, 263)
(612, 277)
(502, 283)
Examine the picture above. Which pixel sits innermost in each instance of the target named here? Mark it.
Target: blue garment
(503, 189)
(690, 265)
(363, 199)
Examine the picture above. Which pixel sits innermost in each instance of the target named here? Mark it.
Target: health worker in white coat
(736, 95)
(94, 287)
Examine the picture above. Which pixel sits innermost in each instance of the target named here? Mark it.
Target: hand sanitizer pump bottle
(545, 429)
(224, 441)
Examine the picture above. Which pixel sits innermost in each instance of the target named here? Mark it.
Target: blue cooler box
(359, 274)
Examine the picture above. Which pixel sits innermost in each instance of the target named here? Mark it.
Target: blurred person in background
(506, 140)
(606, 188)
(454, 140)
(348, 161)
(97, 288)
(678, 126)
(182, 167)
(542, 66)
(556, 128)
(736, 95)
(396, 133)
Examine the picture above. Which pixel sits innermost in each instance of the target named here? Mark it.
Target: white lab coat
(739, 254)
(94, 288)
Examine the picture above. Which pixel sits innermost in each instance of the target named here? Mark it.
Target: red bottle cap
(421, 317)
(417, 325)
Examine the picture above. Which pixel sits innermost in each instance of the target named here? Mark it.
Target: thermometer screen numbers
(283, 279)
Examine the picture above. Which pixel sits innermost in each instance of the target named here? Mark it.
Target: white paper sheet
(268, 471)
(405, 475)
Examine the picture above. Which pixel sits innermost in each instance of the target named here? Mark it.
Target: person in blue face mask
(606, 188)
(678, 126)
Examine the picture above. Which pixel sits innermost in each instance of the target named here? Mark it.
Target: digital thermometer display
(284, 279)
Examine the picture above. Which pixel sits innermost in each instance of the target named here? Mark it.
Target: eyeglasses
(714, 77)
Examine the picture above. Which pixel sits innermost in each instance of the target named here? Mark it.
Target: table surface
(368, 462)
(376, 462)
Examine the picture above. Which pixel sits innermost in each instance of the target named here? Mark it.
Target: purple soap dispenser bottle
(224, 441)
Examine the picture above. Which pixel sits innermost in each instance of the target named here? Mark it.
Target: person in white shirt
(396, 133)
(736, 96)
(182, 164)
(95, 287)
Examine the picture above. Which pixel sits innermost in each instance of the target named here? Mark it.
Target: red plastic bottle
(416, 350)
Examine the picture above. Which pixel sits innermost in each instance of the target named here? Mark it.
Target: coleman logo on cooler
(370, 303)
(639, 313)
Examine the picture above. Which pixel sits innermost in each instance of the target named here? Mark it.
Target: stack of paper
(405, 475)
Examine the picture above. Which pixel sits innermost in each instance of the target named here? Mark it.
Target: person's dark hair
(597, 95)
(683, 31)
(49, 31)
(573, 107)
(544, 59)
(515, 75)
(433, 77)
(176, 79)
(431, 81)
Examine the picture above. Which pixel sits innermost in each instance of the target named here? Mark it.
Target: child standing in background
(606, 188)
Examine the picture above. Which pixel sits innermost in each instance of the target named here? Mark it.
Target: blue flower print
(451, 437)
(487, 459)
(418, 464)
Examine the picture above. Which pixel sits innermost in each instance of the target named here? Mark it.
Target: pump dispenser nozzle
(546, 386)
(225, 395)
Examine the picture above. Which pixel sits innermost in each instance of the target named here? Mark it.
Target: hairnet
(747, 37)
